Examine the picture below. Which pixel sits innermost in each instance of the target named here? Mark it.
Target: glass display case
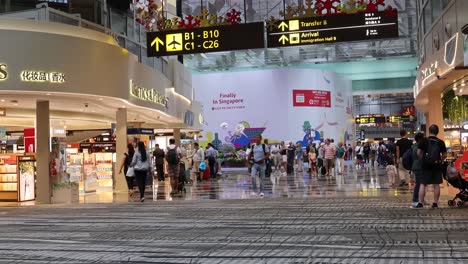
(90, 181)
(8, 177)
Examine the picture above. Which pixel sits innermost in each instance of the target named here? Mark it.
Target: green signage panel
(206, 39)
(331, 29)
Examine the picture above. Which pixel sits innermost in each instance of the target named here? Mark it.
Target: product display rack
(8, 177)
(90, 175)
(75, 166)
(104, 167)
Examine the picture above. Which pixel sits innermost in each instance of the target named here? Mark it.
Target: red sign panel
(311, 98)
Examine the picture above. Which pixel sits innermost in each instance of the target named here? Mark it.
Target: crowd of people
(326, 158)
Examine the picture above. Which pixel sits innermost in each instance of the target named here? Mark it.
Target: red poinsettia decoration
(373, 5)
(189, 22)
(233, 17)
(390, 11)
(327, 7)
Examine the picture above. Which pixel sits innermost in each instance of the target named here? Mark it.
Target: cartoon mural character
(238, 138)
(310, 134)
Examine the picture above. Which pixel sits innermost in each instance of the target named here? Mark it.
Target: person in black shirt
(432, 173)
(402, 145)
(159, 155)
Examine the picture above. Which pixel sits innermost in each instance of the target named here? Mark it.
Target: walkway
(356, 218)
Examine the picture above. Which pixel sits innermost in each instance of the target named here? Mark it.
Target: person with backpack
(211, 156)
(198, 157)
(402, 146)
(366, 152)
(158, 155)
(432, 151)
(259, 154)
(416, 168)
(126, 165)
(173, 156)
(141, 163)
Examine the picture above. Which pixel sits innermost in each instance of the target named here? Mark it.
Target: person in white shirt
(359, 150)
(212, 155)
(276, 156)
(197, 157)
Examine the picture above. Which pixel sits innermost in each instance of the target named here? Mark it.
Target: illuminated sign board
(401, 119)
(206, 39)
(149, 95)
(3, 72)
(42, 76)
(370, 119)
(331, 29)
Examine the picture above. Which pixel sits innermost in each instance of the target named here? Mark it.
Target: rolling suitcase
(206, 174)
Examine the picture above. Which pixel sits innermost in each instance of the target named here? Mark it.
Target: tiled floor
(356, 218)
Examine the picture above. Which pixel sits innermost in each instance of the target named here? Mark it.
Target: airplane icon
(174, 42)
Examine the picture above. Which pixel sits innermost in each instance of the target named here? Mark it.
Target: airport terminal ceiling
(262, 10)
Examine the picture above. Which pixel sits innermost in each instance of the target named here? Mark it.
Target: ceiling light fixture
(3, 100)
(463, 84)
(100, 99)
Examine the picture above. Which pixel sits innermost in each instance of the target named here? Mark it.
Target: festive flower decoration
(233, 17)
(373, 5)
(390, 11)
(189, 22)
(327, 7)
(148, 12)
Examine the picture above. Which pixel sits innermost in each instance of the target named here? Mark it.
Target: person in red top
(329, 156)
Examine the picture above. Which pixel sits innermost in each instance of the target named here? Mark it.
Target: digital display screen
(206, 39)
(331, 29)
(370, 119)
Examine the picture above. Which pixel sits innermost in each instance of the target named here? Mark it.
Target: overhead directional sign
(206, 39)
(330, 29)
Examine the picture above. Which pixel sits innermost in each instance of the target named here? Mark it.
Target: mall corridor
(355, 218)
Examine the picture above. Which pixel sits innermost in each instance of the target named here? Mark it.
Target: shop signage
(331, 29)
(206, 39)
(2, 111)
(311, 98)
(429, 71)
(140, 131)
(3, 72)
(42, 76)
(149, 95)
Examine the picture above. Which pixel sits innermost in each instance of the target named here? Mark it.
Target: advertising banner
(311, 98)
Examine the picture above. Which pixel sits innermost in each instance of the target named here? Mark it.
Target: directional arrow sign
(283, 39)
(157, 41)
(206, 39)
(283, 26)
(331, 29)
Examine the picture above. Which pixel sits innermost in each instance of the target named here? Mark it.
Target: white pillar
(120, 184)
(43, 186)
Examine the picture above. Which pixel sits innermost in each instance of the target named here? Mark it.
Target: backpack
(431, 157)
(263, 146)
(172, 157)
(407, 159)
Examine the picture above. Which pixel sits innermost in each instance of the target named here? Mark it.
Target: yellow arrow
(283, 39)
(156, 42)
(283, 26)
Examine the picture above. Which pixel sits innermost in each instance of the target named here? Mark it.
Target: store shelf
(8, 173)
(8, 182)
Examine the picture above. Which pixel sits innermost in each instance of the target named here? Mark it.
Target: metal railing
(136, 46)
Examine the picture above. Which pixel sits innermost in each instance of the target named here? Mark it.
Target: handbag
(202, 166)
(130, 172)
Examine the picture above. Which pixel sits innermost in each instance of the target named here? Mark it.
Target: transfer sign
(331, 29)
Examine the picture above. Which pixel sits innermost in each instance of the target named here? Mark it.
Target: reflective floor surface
(355, 218)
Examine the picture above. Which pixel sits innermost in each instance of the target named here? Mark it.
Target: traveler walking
(312, 161)
(366, 152)
(402, 145)
(173, 156)
(211, 155)
(391, 172)
(373, 153)
(126, 165)
(158, 155)
(197, 157)
(267, 161)
(141, 163)
(291, 153)
(329, 152)
(299, 153)
(259, 154)
(284, 155)
(432, 152)
(416, 168)
(350, 152)
(340, 153)
(359, 155)
(276, 157)
(381, 154)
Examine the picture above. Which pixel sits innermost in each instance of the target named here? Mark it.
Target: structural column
(435, 115)
(43, 185)
(120, 184)
(177, 136)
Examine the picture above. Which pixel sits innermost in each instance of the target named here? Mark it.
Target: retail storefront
(56, 77)
(443, 63)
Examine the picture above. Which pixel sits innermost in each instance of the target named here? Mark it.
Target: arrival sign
(331, 29)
